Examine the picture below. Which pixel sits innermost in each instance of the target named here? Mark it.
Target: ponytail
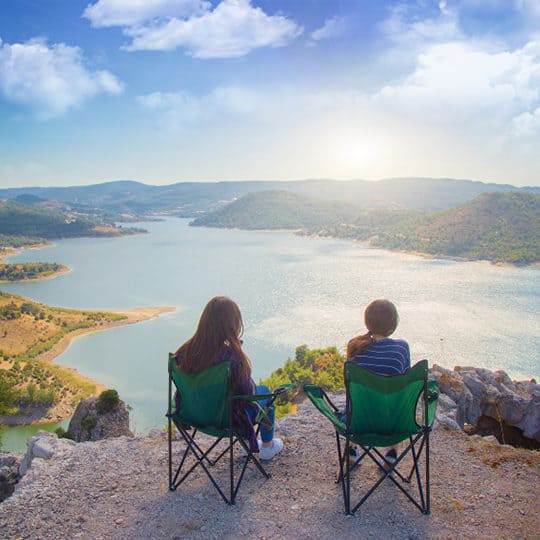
(357, 345)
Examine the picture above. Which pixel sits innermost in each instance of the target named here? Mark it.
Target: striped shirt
(386, 356)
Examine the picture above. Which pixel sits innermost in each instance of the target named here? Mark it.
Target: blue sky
(162, 91)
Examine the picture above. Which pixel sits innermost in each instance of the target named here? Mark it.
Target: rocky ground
(117, 488)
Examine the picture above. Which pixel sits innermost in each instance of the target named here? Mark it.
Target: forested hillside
(277, 210)
(19, 220)
(500, 227)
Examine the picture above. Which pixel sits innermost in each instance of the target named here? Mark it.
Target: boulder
(43, 445)
(88, 424)
(473, 395)
(9, 474)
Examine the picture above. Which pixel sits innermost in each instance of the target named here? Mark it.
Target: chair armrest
(315, 392)
(284, 388)
(322, 402)
(259, 397)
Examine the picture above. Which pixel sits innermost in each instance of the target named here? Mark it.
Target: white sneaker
(268, 452)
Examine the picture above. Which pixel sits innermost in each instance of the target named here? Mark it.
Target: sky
(164, 91)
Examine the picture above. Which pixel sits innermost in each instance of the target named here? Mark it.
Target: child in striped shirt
(377, 352)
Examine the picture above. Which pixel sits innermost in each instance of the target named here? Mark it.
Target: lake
(291, 290)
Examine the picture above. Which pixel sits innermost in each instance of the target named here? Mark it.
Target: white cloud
(528, 7)
(50, 78)
(527, 124)
(408, 25)
(452, 87)
(334, 27)
(233, 28)
(183, 108)
(456, 82)
(133, 12)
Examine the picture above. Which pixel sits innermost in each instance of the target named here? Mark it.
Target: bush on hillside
(107, 401)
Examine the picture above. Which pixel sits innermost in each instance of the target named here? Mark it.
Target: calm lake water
(291, 290)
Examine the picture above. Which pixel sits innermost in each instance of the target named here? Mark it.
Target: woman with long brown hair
(217, 339)
(377, 352)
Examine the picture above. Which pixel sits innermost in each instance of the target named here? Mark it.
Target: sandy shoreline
(64, 409)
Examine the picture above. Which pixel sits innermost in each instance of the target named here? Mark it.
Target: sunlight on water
(291, 290)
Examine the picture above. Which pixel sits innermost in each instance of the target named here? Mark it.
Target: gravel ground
(117, 488)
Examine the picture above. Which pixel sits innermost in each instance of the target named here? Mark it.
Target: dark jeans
(267, 433)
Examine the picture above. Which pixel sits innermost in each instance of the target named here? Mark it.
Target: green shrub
(88, 423)
(107, 401)
(62, 433)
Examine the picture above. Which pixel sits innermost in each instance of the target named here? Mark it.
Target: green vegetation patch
(107, 401)
(26, 271)
(317, 366)
(28, 330)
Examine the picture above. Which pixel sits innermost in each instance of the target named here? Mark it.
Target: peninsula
(32, 388)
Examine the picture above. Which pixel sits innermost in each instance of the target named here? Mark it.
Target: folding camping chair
(383, 411)
(204, 405)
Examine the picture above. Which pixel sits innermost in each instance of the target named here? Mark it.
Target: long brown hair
(220, 327)
(381, 319)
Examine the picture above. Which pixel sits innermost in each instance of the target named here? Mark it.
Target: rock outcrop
(43, 445)
(491, 402)
(9, 475)
(118, 489)
(88, 424)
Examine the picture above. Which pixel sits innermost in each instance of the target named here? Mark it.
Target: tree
(7, 393)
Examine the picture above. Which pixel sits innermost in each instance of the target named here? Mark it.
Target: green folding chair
(382, 411)
(202, 402)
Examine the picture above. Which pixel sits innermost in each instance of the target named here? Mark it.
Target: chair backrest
(382, 409)
(203, 397)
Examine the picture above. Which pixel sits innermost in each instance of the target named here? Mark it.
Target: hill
(277, 210)
(19, 220)
(189, 199)
(498, 226)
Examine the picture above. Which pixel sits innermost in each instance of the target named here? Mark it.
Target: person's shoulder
(393, 341)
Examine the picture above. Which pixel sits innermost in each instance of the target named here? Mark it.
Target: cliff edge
(117, 488)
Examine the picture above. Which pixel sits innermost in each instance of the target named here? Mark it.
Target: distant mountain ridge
(190, 199)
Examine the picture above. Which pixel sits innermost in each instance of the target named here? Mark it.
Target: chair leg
(378, 458)
(416, 458)
(170, 453)
(428, 492)
(231, 467)
(340, 475)
(347, 477)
